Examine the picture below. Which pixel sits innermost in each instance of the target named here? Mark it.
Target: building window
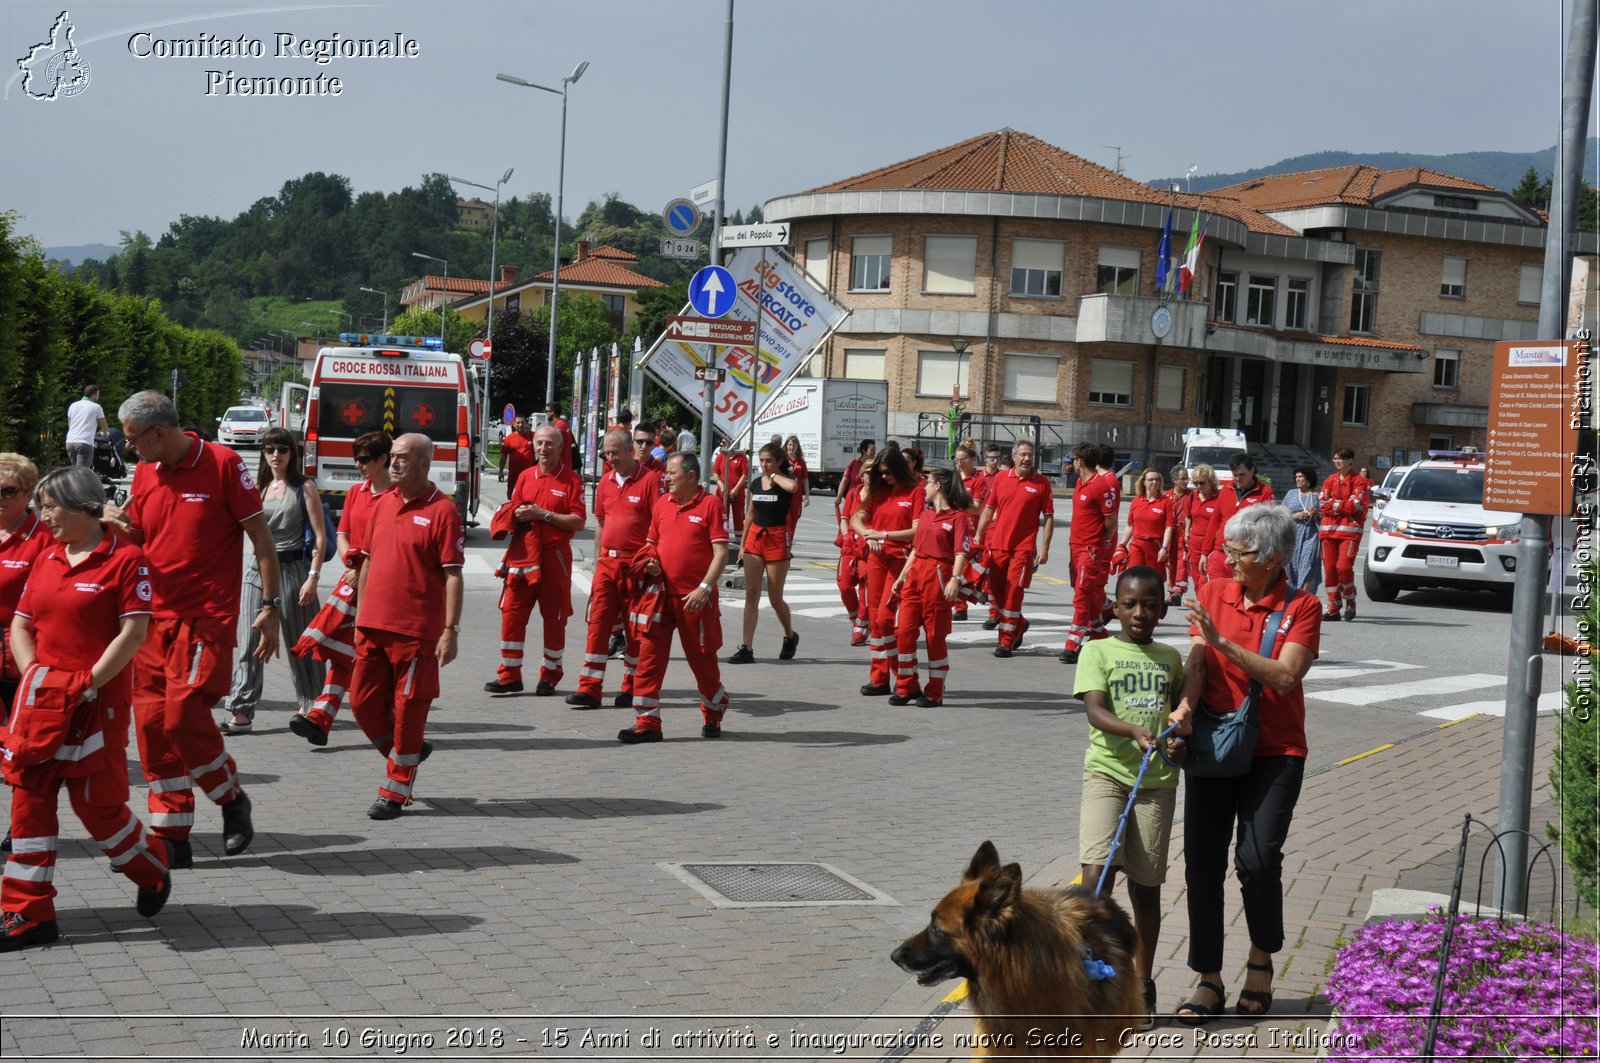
(1261, 301)
(1355, 403)
(939, 372)
(869, 263)
(817, 262)
(513, 303)
(1030, 377)
(864, 363)
(1446, 369)
(1441, 442)
(1036, 267)
(1110, 383)
(1296, 300)
(1453, 282)
(1455, 202)
(1119, 271)
(1364, 295)
(1531, 283)
(616, 306)
(1226, 305)
(948, 264)
(1169, 387)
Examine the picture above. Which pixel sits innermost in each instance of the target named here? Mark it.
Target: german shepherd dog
(1023, 955)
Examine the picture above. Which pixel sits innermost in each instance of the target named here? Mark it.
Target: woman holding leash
(1226, 657)
(767, 548)
(929, 585)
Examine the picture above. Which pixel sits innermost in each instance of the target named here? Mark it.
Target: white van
(1214, 447)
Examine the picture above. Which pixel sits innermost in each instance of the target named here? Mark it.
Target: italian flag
(1191, 255)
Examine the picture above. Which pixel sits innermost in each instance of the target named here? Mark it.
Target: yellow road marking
(1368, 753)
(1464, 719)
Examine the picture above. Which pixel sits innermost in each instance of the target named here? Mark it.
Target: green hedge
(1576, 771)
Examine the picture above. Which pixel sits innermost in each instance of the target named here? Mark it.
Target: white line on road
(1354, 670)
(1444, 684)
(1549, 704)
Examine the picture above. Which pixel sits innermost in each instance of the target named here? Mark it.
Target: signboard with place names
(1528, 465)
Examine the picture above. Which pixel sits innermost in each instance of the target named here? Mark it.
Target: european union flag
(1164, 254)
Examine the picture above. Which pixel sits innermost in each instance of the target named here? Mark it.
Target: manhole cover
(745, 884)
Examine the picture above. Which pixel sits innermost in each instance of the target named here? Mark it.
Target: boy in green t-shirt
(1129, 685)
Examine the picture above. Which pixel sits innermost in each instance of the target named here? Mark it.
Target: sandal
(1203, 1013)
(1263, 997)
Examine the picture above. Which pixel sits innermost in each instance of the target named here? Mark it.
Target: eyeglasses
(362, 459)
(1238, 555)
(132, 441)
(277, 449)
(10, 491)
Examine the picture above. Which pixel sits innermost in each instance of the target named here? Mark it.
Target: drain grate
(746, 884)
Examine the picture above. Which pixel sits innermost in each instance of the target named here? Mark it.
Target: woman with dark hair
(928, 586)
(290, 502)
(767, 548)
(1304, 506)
(796, 455)
(888, 509)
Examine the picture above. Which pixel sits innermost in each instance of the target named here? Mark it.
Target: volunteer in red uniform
(624, 500)
(371, 451)
(975, 482)
(995, 462)
(644, 444)
(190, 507)
(1147, 540)
(1204, 534)
(552, 494)
(81, 619)
(866, 454)
(928, 586)
(851, 572)
(890, 507)
(802, 476)
(22, 539)
(1177, 571)
(688, 543)
(569, 445)
(408, 617)
(516, 451)
(1009, 530)
(1245, 492)
(766, 551)
(1343, 501)
(1095, 501)
(731, 472)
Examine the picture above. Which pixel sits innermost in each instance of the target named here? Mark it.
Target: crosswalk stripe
(1354, 670)
(1444, 684)
(1549, 703)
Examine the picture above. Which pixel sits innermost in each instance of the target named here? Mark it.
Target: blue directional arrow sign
(712, 291)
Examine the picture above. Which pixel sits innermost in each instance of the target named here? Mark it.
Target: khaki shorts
(1142, 854)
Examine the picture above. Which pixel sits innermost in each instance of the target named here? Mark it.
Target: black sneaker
(543, 690)
(303, 726)
(17, 931)
(872, 690)
(742, 655)
(494, 686)
(710, 729)
(902, 699)
(629, 736)
(1067, 656)
(180, 855)
(150, 902)
(383, 808)
(237, 830)
(1002, 651)
(791, 642)
(959, 615)
(5, 846)
(623, 701)
(926, 702)
(427, 751)
(583, 701)
(991, 623)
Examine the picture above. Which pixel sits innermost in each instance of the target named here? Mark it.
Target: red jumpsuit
(560, 492)
(802, 483)
(1148, 520)
(1177, 570)
(941, 538)
(1011, 539)
(733, 470)
(851, 575)
(1230, 501)
(400, 616)
(623, 508)
(1204, 531)
(977, 486)
(1343, 501)
(337, 647)
(1094, 512)
(683, 535)
(518, 449)
(190, 516)
(76, 612)
(894, 510)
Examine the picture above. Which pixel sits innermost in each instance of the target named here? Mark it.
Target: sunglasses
(10, 491)
(362, 459)
(277, 449)
(644, 442)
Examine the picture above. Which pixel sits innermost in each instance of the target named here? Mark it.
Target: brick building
(1338, 307)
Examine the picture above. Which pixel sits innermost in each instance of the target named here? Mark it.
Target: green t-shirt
(1142, 684)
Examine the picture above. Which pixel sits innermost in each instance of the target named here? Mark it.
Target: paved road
(529, 891)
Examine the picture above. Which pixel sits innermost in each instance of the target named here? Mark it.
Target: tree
(1531, 192)
(1575, 771)
(655, 306)
(459, 332)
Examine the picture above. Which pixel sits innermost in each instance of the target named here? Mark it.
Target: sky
(820, 91)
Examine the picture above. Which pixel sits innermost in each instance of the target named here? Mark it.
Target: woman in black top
(767, 545)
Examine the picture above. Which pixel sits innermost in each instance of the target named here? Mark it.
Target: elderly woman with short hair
(1227, 623)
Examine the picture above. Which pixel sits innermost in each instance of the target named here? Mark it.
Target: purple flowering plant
(1513, 991)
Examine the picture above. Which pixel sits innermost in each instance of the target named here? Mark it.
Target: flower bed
(1514, 991)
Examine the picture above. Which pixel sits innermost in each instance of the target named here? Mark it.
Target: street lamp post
(494, 243)
(315, 328)
(561, 177)
(952, 429)
(444, 297)
(385, 295)
(349, 320)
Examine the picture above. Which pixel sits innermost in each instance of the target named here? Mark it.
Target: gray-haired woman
(1227, 623)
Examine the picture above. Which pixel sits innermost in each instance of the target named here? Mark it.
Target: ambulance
(397, 384)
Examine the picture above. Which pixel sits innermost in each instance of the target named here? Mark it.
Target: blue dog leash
(1122, 824)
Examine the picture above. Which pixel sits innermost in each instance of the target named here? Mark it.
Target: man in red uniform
(1343, 501)
(644, 441)
(1246, 491)
(516, 451)
(1009, 531)
(976, 481)
(408, 617)
(691, 543)
(1177, 572)
(190, 507)
(1094, 530)
(552, 494)
(731, 471)
(569, 445)
(624, 500)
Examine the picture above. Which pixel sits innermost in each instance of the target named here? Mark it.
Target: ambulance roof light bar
(1465, 455)
(371, 339)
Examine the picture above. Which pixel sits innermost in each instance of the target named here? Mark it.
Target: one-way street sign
(711, 330)
(764, 235)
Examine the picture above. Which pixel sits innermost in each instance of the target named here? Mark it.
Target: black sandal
(1203, 1013)
(1262, 997)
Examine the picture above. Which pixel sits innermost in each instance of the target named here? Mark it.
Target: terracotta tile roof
(1326, 341)
(464, 285)
(615, 254)
(1009, 161)
(603, 273)
(1355, 185)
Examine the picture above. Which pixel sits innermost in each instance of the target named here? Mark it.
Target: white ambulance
(396, 384)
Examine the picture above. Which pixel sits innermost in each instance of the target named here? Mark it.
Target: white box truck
(1213, 447)
(831, 416)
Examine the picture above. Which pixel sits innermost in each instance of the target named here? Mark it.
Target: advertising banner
(591, 422)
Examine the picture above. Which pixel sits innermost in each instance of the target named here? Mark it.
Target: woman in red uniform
(1147, 539)
(852, 570)
(975, 481)
(22, 539)
(802, 476)
(1205, 527)
(371, 451)
(1178, 514)
(82, 616)
(929, 585)
(891, 505)
(767, 549)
